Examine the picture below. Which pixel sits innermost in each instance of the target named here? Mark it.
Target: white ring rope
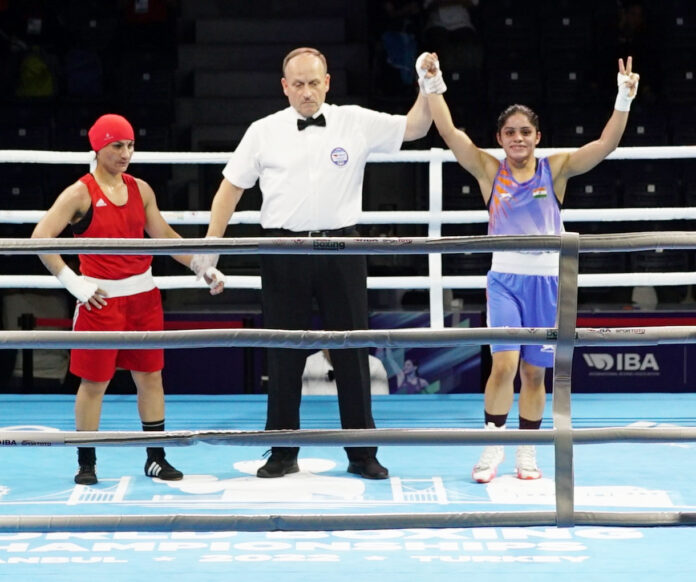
(433, 154)
(392, 282)
(202, 217)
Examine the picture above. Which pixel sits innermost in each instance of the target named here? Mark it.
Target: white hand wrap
(624, 97)
(201, 263)
(434, 84)
(419, 63)
(215, 277)
(82, 290)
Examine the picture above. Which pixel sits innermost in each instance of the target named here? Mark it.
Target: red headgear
(109, 128)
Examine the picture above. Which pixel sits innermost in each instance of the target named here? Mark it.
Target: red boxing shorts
(139, 312)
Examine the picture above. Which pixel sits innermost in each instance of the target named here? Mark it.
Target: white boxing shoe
(526, 463)
(487, 466)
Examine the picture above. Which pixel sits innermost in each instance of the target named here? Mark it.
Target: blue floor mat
(424, 479)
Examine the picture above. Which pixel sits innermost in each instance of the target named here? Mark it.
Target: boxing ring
(562, 436)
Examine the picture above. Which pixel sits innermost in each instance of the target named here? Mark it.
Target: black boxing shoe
(86, 475)
(279, 463)
(161, 469)
(368, 469)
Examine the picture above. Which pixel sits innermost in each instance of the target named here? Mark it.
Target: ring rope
(297, 246)
(431, 155)
(312, 522)
(345, 437)
(391, 282)
(312, 340)
(202, 217)
(634, 241)
(588, 243)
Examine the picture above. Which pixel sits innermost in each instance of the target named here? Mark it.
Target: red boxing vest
(111, 221)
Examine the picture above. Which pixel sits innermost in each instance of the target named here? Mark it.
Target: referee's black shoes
(86, 475)
(279, 463)
(368, 468)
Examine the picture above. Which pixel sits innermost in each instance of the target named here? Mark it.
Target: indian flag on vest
(539, 192)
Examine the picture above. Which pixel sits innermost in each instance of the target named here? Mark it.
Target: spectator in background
(408, 380)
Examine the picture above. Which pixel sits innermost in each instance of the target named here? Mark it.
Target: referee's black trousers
(339, 285)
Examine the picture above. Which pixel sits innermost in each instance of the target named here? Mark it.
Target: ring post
(566, 318)
(437, 316)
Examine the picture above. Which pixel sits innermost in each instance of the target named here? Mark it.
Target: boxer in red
(115, 292)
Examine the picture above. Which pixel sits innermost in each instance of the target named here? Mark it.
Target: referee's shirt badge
(339, 156)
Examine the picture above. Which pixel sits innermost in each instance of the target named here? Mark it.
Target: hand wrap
(82, 290)
(213, 277)
(430, 85)
(624, 97)
(201, 263)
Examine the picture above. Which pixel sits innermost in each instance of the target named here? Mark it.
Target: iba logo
(622, 362)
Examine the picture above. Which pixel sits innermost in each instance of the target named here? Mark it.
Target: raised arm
(474, 160)
(391, 365)
(418, 119)
(567, 165)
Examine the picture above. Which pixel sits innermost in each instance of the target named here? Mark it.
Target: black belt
(345, 231)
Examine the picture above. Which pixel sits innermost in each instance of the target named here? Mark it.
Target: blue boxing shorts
(523, 301)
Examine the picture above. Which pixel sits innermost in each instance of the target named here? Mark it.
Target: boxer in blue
(523, 194)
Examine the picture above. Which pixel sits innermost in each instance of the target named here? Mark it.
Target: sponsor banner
(633, 368)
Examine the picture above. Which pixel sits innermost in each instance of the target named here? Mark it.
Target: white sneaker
(526, 463)
(492, 456)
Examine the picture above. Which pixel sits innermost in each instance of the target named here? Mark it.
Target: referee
(310, 160)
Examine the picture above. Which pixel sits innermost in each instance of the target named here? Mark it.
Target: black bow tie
(319, 120)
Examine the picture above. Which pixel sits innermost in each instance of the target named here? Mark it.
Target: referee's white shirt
(312, 179)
